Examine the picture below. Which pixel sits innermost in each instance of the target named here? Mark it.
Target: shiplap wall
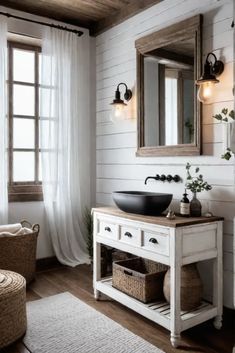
(117, 166)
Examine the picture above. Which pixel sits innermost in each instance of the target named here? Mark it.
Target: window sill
(25, 193)
(26, 197)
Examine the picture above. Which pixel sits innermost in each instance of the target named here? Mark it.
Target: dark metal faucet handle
(157, 177)
(176, 178)
(162, 177)
(169, 177)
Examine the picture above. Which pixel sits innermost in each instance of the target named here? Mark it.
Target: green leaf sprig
(227, 155)
(225, 115)
(196, 183)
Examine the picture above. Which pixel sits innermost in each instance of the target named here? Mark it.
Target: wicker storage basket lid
(10, 283)
(13, 319)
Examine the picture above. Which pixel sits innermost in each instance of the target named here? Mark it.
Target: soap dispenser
(185, 205)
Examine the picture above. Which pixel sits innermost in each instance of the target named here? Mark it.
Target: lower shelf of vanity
(158, 312)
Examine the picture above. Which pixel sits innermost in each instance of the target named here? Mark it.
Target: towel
(10, 228)
(13, 230)
(24, 230)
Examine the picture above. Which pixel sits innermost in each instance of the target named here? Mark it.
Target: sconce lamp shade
(207, 81)
(118, 111)
(118, 105)
(205, 91)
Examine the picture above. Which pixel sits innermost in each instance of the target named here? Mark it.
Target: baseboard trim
(47, 263)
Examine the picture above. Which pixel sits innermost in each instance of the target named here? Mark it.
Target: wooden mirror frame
(183, 30)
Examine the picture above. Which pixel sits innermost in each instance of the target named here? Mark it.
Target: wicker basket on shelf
(139, 278)
(18, 252)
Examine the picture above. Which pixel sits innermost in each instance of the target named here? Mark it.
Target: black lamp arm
(127, 94)
(122, 83)
(207, 58)
(217, 67)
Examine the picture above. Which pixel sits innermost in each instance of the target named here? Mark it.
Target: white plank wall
(117, 166)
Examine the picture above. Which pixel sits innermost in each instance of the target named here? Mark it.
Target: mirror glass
(169, 95)
(169, 113)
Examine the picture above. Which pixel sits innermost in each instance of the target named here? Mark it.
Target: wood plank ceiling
(96, 15)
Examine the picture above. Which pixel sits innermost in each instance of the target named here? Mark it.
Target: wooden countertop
(160, 220)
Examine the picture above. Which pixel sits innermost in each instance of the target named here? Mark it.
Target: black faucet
(163, 177)
(157, 177)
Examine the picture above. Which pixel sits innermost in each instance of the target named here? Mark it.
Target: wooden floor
(78, 281)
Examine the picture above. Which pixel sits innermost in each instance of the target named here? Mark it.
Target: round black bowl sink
(141, 202)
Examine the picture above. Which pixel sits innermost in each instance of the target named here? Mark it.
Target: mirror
(168, 63)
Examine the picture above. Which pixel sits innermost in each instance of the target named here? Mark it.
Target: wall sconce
(208, 79)
(118, 105)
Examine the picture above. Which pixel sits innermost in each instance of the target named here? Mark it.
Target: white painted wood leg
(175, 283)
(218, 322)
(96, 262)
(218, 279)
(96, 294)
(175, 340)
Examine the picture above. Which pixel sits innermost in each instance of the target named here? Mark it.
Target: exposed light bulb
(205, 92)
(118, 112)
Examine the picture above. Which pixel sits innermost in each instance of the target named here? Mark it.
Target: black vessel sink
(141, 202)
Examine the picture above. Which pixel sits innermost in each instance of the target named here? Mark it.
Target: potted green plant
(227, 116)
(195, 184)
(88, 223)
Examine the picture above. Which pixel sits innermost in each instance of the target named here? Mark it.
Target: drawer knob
(128, 234)
(107, 229)
(153, 240)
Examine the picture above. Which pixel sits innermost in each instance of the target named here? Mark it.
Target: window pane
(40, 167)
(40, 68)
(23, 100)
(23, 166)
(23, 133)
(23, 65)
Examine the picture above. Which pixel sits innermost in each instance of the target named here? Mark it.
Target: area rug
(64, 324)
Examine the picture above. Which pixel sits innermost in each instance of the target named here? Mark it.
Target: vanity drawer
(108, 230)
(131, 235)
(156, 242)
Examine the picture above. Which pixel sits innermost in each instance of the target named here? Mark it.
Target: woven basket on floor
(18, 252)
(139, 278)
(191, 287)
(13, 320)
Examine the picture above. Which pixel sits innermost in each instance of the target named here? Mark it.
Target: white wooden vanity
(176, 243)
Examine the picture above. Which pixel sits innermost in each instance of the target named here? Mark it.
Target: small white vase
(231, 136)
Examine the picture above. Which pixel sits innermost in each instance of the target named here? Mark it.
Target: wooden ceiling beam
(63, 16)
(115, 18)
(97, 16)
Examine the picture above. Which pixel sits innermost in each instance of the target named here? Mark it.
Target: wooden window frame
(32, 190)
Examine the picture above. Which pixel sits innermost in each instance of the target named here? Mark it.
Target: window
(23, 114)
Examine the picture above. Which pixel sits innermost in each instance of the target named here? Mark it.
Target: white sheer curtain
(64, 112)
(3, 123)
(171, 129)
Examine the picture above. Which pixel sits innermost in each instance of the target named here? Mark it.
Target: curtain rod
(63, 28)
